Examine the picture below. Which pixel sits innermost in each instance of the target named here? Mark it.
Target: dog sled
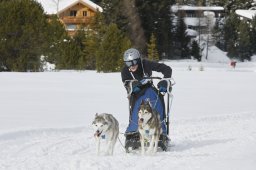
(160, 101)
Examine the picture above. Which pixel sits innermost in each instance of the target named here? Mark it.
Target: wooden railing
(75, 20)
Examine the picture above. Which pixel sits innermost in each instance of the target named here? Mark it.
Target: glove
(145, 81)
(162, 86)
(135, 89)
(136, 86)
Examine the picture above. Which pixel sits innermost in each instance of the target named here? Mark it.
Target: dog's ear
(142, 102)
(105, 117)
(147, 101)
(93, 122)
(96, 114)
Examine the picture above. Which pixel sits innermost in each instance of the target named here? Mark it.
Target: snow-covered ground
(45, 119)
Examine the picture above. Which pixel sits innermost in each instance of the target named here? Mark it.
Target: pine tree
(182, 40)
(244, 41)
(22, 29)
(218, 2)
(253, 36)
(96, 1)
(113, 13)
(98, 25)
(92, 42)
(152, 50)
(79, 47)
(231, 36)
(232, 6)
(56, 37)
(156, 17)
(103, 46)
(113, 44)
(195, 51)
(217, 33)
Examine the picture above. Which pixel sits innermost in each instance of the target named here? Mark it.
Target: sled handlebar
(154, 78)
(170, 83)
(151, 78)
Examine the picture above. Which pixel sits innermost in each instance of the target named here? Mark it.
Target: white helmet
(131, 54)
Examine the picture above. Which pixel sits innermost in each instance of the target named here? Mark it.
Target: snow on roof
(246, 13)
(50, 6)
(191, 33)
(175, 8)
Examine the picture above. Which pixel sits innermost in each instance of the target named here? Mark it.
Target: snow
(191, 33)
(215, 55)
(246, 13)
(253, 58)
(50, 6)
(45, 119)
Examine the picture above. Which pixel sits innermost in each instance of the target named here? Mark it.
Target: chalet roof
(50, 6)
(246, 13)
(176, 8)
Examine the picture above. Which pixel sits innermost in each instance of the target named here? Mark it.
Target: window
(84, 13)
(70, 27)
(190, 14)
(73, 13)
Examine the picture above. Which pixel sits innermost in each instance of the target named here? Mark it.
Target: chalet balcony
(75, 20)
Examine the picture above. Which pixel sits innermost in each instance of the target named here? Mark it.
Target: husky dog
(149, 127)
(105, 127)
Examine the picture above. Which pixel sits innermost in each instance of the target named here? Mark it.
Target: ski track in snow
(193, 141)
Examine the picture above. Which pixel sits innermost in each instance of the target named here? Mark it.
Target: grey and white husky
(149, 126)
(106, 127)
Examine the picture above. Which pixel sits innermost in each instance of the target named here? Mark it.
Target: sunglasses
(131, 62)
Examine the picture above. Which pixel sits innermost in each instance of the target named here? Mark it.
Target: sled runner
(160, 101)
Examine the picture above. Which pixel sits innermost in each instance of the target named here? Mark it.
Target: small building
(195, 17)
(74, 14)
(197, 11)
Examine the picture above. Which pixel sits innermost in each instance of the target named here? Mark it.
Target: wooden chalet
(77, 15)
(74, 14)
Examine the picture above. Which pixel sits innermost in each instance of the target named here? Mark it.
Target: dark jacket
(148, 67)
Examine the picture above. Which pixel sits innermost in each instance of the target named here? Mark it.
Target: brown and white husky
(149, 126)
